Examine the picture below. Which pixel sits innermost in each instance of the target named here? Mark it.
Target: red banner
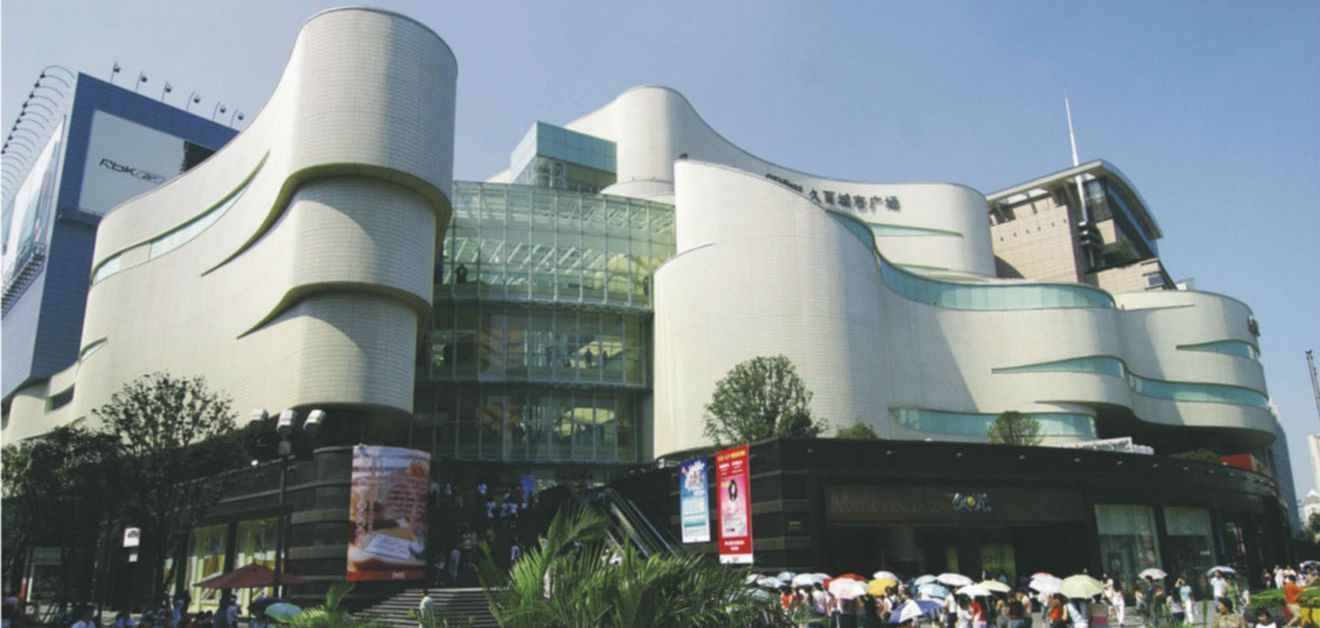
(733, 484)
(388, 513)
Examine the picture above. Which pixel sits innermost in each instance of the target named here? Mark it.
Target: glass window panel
(465, 342)
(467, 425)
(492, 426)
(626, 428)
(1128, 540)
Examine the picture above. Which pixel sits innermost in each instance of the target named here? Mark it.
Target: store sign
(132, 537)
(693, 502)
(857, 202)
(732, 483)
(125, 159)
(387, 513)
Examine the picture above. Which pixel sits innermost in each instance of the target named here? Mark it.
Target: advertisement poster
(388, 498)
(125, 159)
(693, 502)
(28, 215)
(731, 475)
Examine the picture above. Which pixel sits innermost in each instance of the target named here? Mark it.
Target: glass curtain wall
(1128, 539)
(1190, 539)
(256, 544)
(206, 558)
(539, 348)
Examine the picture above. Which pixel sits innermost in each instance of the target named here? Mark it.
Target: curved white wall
(312, 288)
(762, 270)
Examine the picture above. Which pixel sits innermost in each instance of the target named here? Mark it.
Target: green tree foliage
(58, 490)
(859, 431)
(1015, 428)
(760, 398)
(332, 614)
(1199, 454)
(577, 576)
(175, 436)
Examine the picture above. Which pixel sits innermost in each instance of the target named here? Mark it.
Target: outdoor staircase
(458, 608)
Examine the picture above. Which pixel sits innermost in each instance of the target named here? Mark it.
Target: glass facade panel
(206, 558)
(1230, 347)
(1193, 391)
(974, 424)
(547, 360)
(1103, 365)
(256, 544)
(1128, 541)
(1190, 540)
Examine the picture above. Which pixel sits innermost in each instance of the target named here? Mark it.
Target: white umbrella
(933, 590)
(1046, 584)
(804, 580)
(924, 579)
(973, 590)
(1153, 572)
(752, 578)
(995, 585)
(954, 579)
(847, 588)
(786, 576)
(912, 609)
(1081, 586)
(769, 583)
(1221, 568)
(886, 574)
(821, 576)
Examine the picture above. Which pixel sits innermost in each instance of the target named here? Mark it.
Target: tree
(760, 398)
(1200, 454)
(858, 431)
(175, 437)
(578, 576)
(1015, 428)
(58, 491)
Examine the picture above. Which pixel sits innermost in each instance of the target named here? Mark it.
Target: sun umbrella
(1081, 586)
(912, 609)
(249, 576)
(1153, 572)
(880, 586)
(822, 576)
(1040, 574)
(847, 588)
(885, 574)
(258, 605)
(933, 590)
(1046, 584)
(1221, 568)
(752, 578)
(804, 580)
(995, 586)
(974, 590)
(954, 579)
(853, 576)
(786, 576)
(282, 611)
(923, 580)
(769, 583)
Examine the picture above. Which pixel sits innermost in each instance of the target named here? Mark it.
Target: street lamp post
(284, 426)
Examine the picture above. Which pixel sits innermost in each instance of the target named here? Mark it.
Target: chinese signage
(858, 202)
(387, 510)
(693, 503)
(132, 537)
(732, 484)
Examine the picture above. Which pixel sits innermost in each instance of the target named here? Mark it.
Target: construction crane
(1315, 387)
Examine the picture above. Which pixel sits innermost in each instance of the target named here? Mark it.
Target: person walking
(1264, 620)
(425, 610)
(1188, 601)
(1118, 601)
(1292, 597)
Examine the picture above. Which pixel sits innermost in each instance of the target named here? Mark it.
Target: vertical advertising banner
(732, 484)
(693, 502)
(387, 509)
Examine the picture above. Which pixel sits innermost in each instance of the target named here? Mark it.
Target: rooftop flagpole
(1085, 222)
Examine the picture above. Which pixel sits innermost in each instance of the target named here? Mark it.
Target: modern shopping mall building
(568, 318)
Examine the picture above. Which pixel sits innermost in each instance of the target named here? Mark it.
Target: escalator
(628, 525)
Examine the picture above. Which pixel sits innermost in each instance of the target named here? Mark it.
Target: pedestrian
(1188, 601)
(1119, 603)
(1076, 618)
(425, 610)
(1055, 613)
(1292, 597)
(1264, 620)
(85, 620)
(1219, 584)
(1224, 615)
(1017, 613)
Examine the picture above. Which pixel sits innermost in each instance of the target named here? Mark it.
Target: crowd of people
(1219, 598)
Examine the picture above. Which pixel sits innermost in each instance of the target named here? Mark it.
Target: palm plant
(331, 614)
(580, 577)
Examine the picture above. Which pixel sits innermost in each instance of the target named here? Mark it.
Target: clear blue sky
(1209, 108)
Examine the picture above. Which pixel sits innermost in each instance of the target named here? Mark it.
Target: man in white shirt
(1219, 584)
(425, 609)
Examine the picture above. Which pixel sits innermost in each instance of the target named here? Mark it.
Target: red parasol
(250, 576)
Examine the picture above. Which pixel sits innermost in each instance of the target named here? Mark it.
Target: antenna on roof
(1081, 191)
